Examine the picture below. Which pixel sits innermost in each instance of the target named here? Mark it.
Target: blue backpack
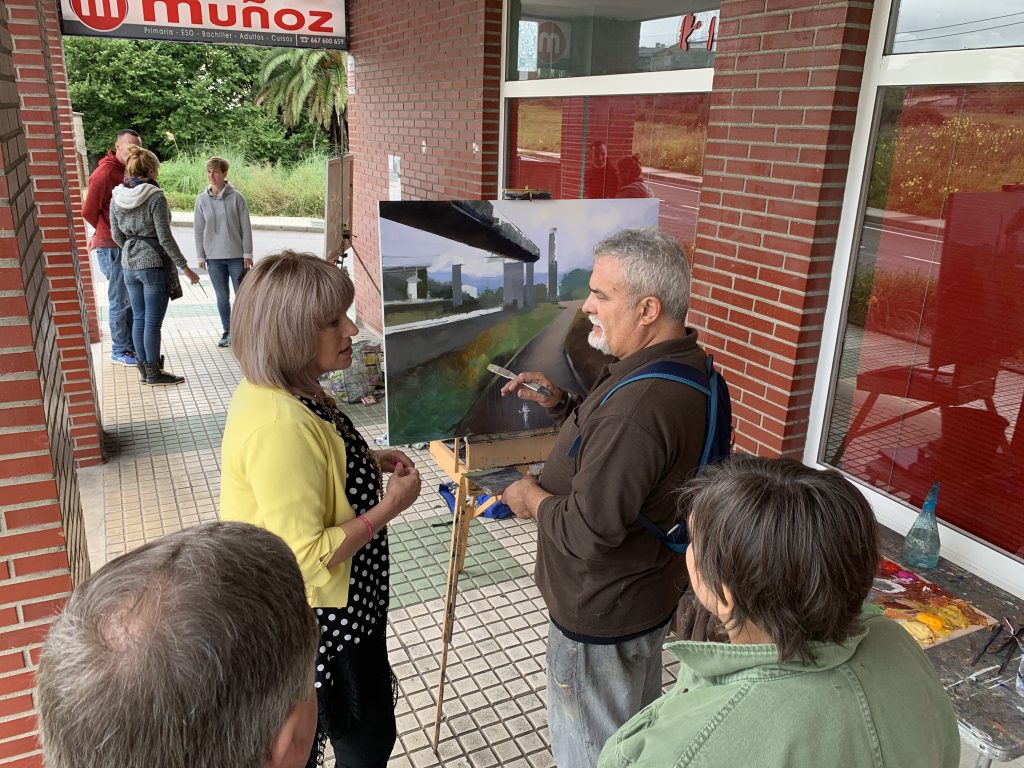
(718, 432)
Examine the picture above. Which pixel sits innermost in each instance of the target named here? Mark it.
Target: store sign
(553, 38)
(284, 23)
(691, 24)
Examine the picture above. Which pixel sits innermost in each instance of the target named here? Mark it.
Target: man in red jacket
(108, 174)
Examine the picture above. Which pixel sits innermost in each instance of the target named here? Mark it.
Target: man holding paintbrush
(610, 586)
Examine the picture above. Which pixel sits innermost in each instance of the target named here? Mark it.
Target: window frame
(970, 67)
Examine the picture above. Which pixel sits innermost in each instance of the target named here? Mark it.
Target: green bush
(271, 189)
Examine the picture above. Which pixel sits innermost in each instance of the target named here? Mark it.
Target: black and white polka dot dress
(366, 614)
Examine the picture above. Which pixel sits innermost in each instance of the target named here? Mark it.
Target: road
(492, 414)
(899, 250)
(264, 241)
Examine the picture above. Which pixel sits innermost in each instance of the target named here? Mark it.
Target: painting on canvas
(467, 283)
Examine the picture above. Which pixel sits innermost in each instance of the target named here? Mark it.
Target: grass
(668, 146)
(540, 127)
(426, 402)
(270, 189)
(917, 166)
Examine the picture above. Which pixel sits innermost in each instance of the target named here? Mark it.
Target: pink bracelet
(369, 529)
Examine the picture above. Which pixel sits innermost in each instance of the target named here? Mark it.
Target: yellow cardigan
(283, 469)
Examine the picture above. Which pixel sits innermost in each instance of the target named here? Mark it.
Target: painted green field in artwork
(427, 401)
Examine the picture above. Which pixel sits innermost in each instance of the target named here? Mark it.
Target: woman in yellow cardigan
(292, 463)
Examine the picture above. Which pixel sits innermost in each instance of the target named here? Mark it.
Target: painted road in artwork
(470, 283)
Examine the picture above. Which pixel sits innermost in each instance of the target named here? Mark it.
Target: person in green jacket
(785, 555)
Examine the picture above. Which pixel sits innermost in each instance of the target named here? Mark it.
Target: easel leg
(456, 558)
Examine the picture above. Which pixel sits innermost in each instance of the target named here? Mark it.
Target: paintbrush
(993, 634)
(201, 289)
(506, 373)
(1005, 624)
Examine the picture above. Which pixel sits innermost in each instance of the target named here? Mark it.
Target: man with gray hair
(611, 587)
(193, 651)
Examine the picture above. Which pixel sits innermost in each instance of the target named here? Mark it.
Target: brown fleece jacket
(602, 575)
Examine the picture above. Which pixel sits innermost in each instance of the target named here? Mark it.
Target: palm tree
(297, 80)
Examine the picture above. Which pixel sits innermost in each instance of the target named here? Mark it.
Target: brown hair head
(217, 164)
(141, 162)
(283, 304)
(796, 547)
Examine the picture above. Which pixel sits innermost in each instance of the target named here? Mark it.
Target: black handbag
(173, 280)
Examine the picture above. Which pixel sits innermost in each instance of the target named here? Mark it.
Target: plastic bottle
(921, 544)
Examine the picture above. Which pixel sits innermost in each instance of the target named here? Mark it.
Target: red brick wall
(427, 77)
(46, 116)
(42, 546)
(783, 107)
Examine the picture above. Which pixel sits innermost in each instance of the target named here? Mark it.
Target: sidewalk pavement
(163, 475)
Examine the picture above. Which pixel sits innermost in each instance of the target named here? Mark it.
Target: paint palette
(927, 611)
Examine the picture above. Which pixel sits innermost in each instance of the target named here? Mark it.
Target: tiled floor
(163, 475)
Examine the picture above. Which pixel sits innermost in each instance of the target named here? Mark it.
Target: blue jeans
(147, 289)
(594, 689)
(119, 313)
(220, 270)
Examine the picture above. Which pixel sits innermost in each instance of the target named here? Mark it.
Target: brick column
(42, 542)
(432, 99)
(46, 115)
(783, 107)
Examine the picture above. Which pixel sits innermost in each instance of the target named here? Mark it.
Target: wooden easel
(455, 459)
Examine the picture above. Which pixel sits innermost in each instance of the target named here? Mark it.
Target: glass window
(552, 38)
(953, 25)
(613, 146)
(931, 380)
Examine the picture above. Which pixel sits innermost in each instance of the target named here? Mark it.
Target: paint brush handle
(991, 639)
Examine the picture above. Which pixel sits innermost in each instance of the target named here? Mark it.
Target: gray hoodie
(221, 225)
(143, 211)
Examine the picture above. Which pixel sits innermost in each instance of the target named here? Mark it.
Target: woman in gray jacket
(223, 238)
(140, 223)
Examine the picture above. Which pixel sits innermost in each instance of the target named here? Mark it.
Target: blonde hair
(282, 305)
(217, 163)
(141, 162)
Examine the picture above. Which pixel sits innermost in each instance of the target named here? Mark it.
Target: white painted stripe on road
(877, 228)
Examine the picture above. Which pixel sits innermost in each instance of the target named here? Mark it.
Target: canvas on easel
(468, 283)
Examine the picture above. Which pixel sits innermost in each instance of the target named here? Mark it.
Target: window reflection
(931, 383)
(613, 146)
(953, 25)
(551, 39)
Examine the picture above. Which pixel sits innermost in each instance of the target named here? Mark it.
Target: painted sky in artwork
(581, 224)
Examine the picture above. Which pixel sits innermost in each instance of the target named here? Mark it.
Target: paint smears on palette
(927, 611)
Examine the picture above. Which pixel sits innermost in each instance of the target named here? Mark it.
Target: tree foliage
(202, 94)
(297, 82)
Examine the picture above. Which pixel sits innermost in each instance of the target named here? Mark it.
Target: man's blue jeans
(220, 270)
(147, 289)
(119, 311)
(594, 689)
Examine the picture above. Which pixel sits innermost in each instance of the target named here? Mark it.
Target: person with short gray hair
(611, 587)
(193, 651)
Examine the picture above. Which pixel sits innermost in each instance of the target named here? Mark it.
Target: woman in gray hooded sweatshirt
(223, 238)
(140, 223)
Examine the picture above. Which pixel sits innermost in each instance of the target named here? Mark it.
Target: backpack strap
(665, 537)
(666, 369)
(692, 377)
(663, 369)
